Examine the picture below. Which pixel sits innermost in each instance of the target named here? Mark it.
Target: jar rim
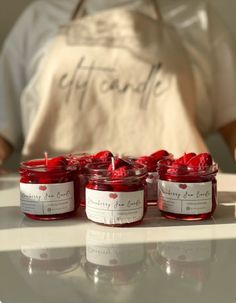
(186, 170)
(32, 165)
(100, 170)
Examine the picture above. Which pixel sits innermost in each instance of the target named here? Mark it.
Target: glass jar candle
(186, 193)
(80, 161)
(152, 176)
(116, 197)
(48, 189)
(151, 179)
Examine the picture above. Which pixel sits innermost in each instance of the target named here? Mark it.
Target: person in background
(66, 66)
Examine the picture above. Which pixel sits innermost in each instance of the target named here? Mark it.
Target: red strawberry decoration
(160, 154)
(184, 166)
(57, 162)
(185, 158)
(177, 169)
(103, 156)
(201, 161)
(39, 162)
(149, 161)
(166, 162)
(119, 172)
(79, 160)
(119, 163)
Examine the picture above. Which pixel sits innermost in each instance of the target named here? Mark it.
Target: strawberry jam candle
(48, 189)
(116, 193)
(152, 176)
(187, 187)
(81, 161)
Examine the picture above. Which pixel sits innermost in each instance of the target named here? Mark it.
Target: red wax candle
(48, 189)
(152, 176)
(187, 187)
(81, 161)
(116, 194)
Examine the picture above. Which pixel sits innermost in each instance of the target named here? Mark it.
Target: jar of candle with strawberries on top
(187, 187)
(81, 160)
(116, 192)
(150, 161)
(48, 188)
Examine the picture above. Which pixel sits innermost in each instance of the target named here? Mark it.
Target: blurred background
(226, 9)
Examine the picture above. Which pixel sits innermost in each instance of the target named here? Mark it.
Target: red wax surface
(56, 171)
(80, 161)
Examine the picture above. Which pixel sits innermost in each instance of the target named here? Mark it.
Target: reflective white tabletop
(75, 260)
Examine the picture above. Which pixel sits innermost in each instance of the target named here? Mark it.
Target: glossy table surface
(75, 260)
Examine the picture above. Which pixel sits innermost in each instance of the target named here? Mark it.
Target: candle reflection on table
(108, 260)
(188, 262)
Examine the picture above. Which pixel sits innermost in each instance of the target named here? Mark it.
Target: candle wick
(46, 158)
(113, 163)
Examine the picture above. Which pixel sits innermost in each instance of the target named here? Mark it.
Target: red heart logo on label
(113, 196)
(183, 186)
(42, 187)
(113, 262)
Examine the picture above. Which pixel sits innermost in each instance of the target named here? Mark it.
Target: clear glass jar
(116, 201)
(80, 161)
(48, 192)
(152, 175)
(186, 193)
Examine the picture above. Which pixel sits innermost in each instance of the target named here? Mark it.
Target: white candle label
(185, 198)
(47, 199)
(152, 185)
(114, 207)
